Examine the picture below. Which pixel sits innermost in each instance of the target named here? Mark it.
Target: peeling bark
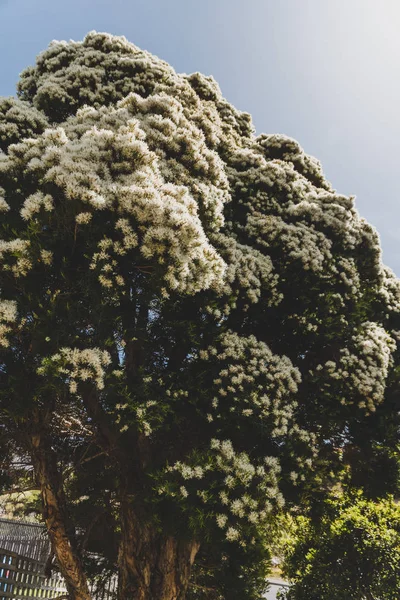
(152, 565)
(55, 516)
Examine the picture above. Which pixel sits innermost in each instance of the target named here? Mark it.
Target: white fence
(22, 577)
(24, 550)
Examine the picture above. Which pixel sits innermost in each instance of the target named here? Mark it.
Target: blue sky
(324, 72)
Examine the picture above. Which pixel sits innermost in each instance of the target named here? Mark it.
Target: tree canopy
(195, 327)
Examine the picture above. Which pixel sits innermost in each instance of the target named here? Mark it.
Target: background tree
(185, 305)
(352, 552)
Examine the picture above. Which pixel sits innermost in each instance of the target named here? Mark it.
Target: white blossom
(46, 256)
(80, 365)
(34, 203)
(221, 520)
(232, 534)
(183, 491)
(4, 206)
(83, 218)
(8, 314)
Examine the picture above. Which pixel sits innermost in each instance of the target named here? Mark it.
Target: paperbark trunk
(55, 516)
(152, 565)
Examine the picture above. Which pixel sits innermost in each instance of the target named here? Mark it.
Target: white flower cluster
(34, 203)
(389, 290)
(249, 274)
(296, 242)
(184, 157)
(294, 215)
(272, 184)
(83, 218)
(15, 256)
(19, 120)
(4, 207)
(252, 382)
(223, 125)
(348, 275)
(8, 314)
(164, 129)
(78, 73)
(367, 363)
(143, 416)
(78, 365)
(278, 146)
(104, 69)
(46, 256)
(247, 493)
(363, 367)
(187, 123)
(160, 218)
(332, 213)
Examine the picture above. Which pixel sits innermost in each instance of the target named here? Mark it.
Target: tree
(188, 311)
(352, 552)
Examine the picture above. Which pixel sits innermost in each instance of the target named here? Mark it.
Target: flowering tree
(189, 305)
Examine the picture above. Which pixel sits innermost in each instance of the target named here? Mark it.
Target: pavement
(276, 584)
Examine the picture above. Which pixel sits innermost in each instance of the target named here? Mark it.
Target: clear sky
(325, 72)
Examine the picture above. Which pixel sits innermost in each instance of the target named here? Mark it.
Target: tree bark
(151, 565)
(55, 516)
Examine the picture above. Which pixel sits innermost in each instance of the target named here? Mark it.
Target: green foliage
(222, 572)
(20, 505)
(351, 553)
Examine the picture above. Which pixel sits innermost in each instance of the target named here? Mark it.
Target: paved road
(274, 587)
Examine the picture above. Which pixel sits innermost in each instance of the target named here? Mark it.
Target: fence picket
(24, 549)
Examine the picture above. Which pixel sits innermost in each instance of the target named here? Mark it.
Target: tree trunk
(152, 566)
(55, 516)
